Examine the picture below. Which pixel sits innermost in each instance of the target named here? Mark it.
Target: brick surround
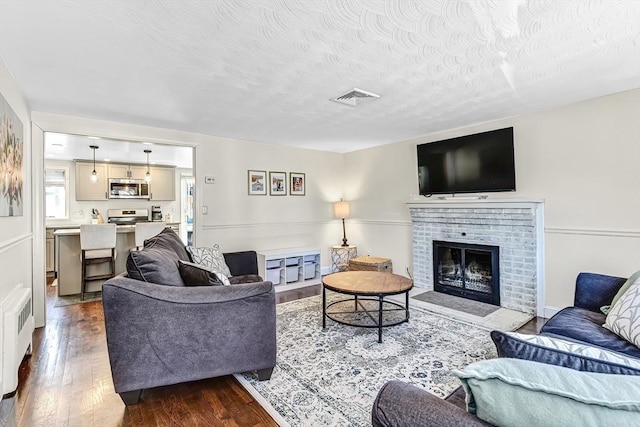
(516, 227)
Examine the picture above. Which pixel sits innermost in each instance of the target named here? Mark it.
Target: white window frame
(66, 191)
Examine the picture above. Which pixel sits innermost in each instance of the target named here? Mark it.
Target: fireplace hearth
(467, 270)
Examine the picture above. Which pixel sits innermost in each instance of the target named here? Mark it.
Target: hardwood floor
(67, 381)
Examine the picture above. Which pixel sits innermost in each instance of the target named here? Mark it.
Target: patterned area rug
(331, 377)
(63, 301)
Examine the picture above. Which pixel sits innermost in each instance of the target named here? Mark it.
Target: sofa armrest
(242, 263)
(595, 290)
(400, 404)
(160, 335)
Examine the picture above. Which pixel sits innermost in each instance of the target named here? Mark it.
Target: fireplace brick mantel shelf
(514, 225)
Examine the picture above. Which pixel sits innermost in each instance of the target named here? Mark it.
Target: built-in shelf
(290, 268)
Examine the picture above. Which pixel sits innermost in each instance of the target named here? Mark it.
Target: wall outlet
(209, 180)
(205, 210)
(78, 215)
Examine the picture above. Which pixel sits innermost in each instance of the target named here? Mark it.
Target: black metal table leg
(380, 320)
(324, 307)
(407, 297)
(356, 299)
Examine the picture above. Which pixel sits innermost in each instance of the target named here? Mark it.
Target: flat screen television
(478, 163)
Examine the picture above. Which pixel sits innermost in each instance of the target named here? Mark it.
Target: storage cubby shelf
(290, 268)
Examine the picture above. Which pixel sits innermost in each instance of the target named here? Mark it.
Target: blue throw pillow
(569, 354)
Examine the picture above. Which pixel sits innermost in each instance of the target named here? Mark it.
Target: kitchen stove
(127, 216)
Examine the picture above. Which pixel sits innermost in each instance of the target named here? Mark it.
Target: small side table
(340, 256)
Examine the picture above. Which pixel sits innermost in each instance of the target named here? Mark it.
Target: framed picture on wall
(278, 183)
(297, 183)
(257, 181)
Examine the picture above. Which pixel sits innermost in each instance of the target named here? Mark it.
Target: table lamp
(341, 211)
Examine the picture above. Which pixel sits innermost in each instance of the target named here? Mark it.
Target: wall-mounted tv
(478, 163)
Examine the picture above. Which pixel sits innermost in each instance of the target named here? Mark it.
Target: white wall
(16, 236)
(235, 220)
(80, 211)
(238, 221)
(583, 159)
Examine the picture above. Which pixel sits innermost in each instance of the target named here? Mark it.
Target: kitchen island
(68, 258)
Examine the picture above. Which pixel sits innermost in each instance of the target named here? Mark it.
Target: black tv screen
(478, 163)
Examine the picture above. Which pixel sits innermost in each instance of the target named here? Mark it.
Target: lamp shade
(341, 209)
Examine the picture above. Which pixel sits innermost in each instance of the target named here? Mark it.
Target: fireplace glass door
(469, 271)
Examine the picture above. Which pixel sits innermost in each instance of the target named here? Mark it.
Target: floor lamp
(341, 211)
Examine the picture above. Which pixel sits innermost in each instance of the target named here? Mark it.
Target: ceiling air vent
(355, 97)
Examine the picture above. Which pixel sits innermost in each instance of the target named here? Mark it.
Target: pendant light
(147, 176)
(94, 174)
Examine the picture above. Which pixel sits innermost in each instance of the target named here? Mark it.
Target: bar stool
(145, 230)
(97, 245)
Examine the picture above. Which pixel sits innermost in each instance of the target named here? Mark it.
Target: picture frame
(297, 183)
(257, 182)
(277, 183)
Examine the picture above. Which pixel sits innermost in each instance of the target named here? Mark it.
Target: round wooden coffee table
(369, 286)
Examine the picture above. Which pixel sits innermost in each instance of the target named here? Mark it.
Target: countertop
(72, 230)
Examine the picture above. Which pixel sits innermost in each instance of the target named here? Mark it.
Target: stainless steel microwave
(128, 189)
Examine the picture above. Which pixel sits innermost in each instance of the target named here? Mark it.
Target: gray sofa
(399, 404)
(166, 334)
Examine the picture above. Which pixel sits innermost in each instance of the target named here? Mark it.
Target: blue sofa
(400, 404)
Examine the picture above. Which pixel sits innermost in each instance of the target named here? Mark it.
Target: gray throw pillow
(197, 275)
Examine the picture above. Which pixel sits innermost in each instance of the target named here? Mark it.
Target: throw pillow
(624, 317)
(197, 275)
(212, 258)
(560, 352)
(169, 239)
(512, 392)
(607, 308)
(157, 264)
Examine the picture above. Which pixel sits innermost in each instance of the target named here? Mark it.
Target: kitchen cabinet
(87, 190)
(163, 183)
(127, 171)
(50, 251)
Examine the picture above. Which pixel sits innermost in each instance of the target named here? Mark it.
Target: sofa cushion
(586, 326)
(157, 261)
(635, 276)
(624, 317)
(197, 275)
(211, 258)
(512, 392)
(561, 352)
(245, 278)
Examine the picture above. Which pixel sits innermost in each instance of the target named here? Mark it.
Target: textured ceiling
(265, 70)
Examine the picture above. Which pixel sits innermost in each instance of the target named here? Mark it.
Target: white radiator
(17, 331)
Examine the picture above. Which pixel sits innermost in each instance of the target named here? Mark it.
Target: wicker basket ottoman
(370, 263)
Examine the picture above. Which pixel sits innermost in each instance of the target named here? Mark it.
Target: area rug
(63, 301)
(462, 304)
(331, 377)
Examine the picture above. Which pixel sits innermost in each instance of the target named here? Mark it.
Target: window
(56, 193)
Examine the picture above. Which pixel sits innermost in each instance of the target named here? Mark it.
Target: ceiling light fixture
(147, 176)
(94, 174)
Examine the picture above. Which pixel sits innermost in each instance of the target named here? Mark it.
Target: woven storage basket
(370, 263)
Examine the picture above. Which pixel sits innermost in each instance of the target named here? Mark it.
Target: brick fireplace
(514, 227)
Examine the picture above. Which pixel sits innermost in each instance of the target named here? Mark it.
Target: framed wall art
(257, 182)
(11, 161)
(297, 184)
(278, 183)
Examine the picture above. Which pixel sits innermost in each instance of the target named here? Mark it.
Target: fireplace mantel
(472, 202)
(515, 225)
